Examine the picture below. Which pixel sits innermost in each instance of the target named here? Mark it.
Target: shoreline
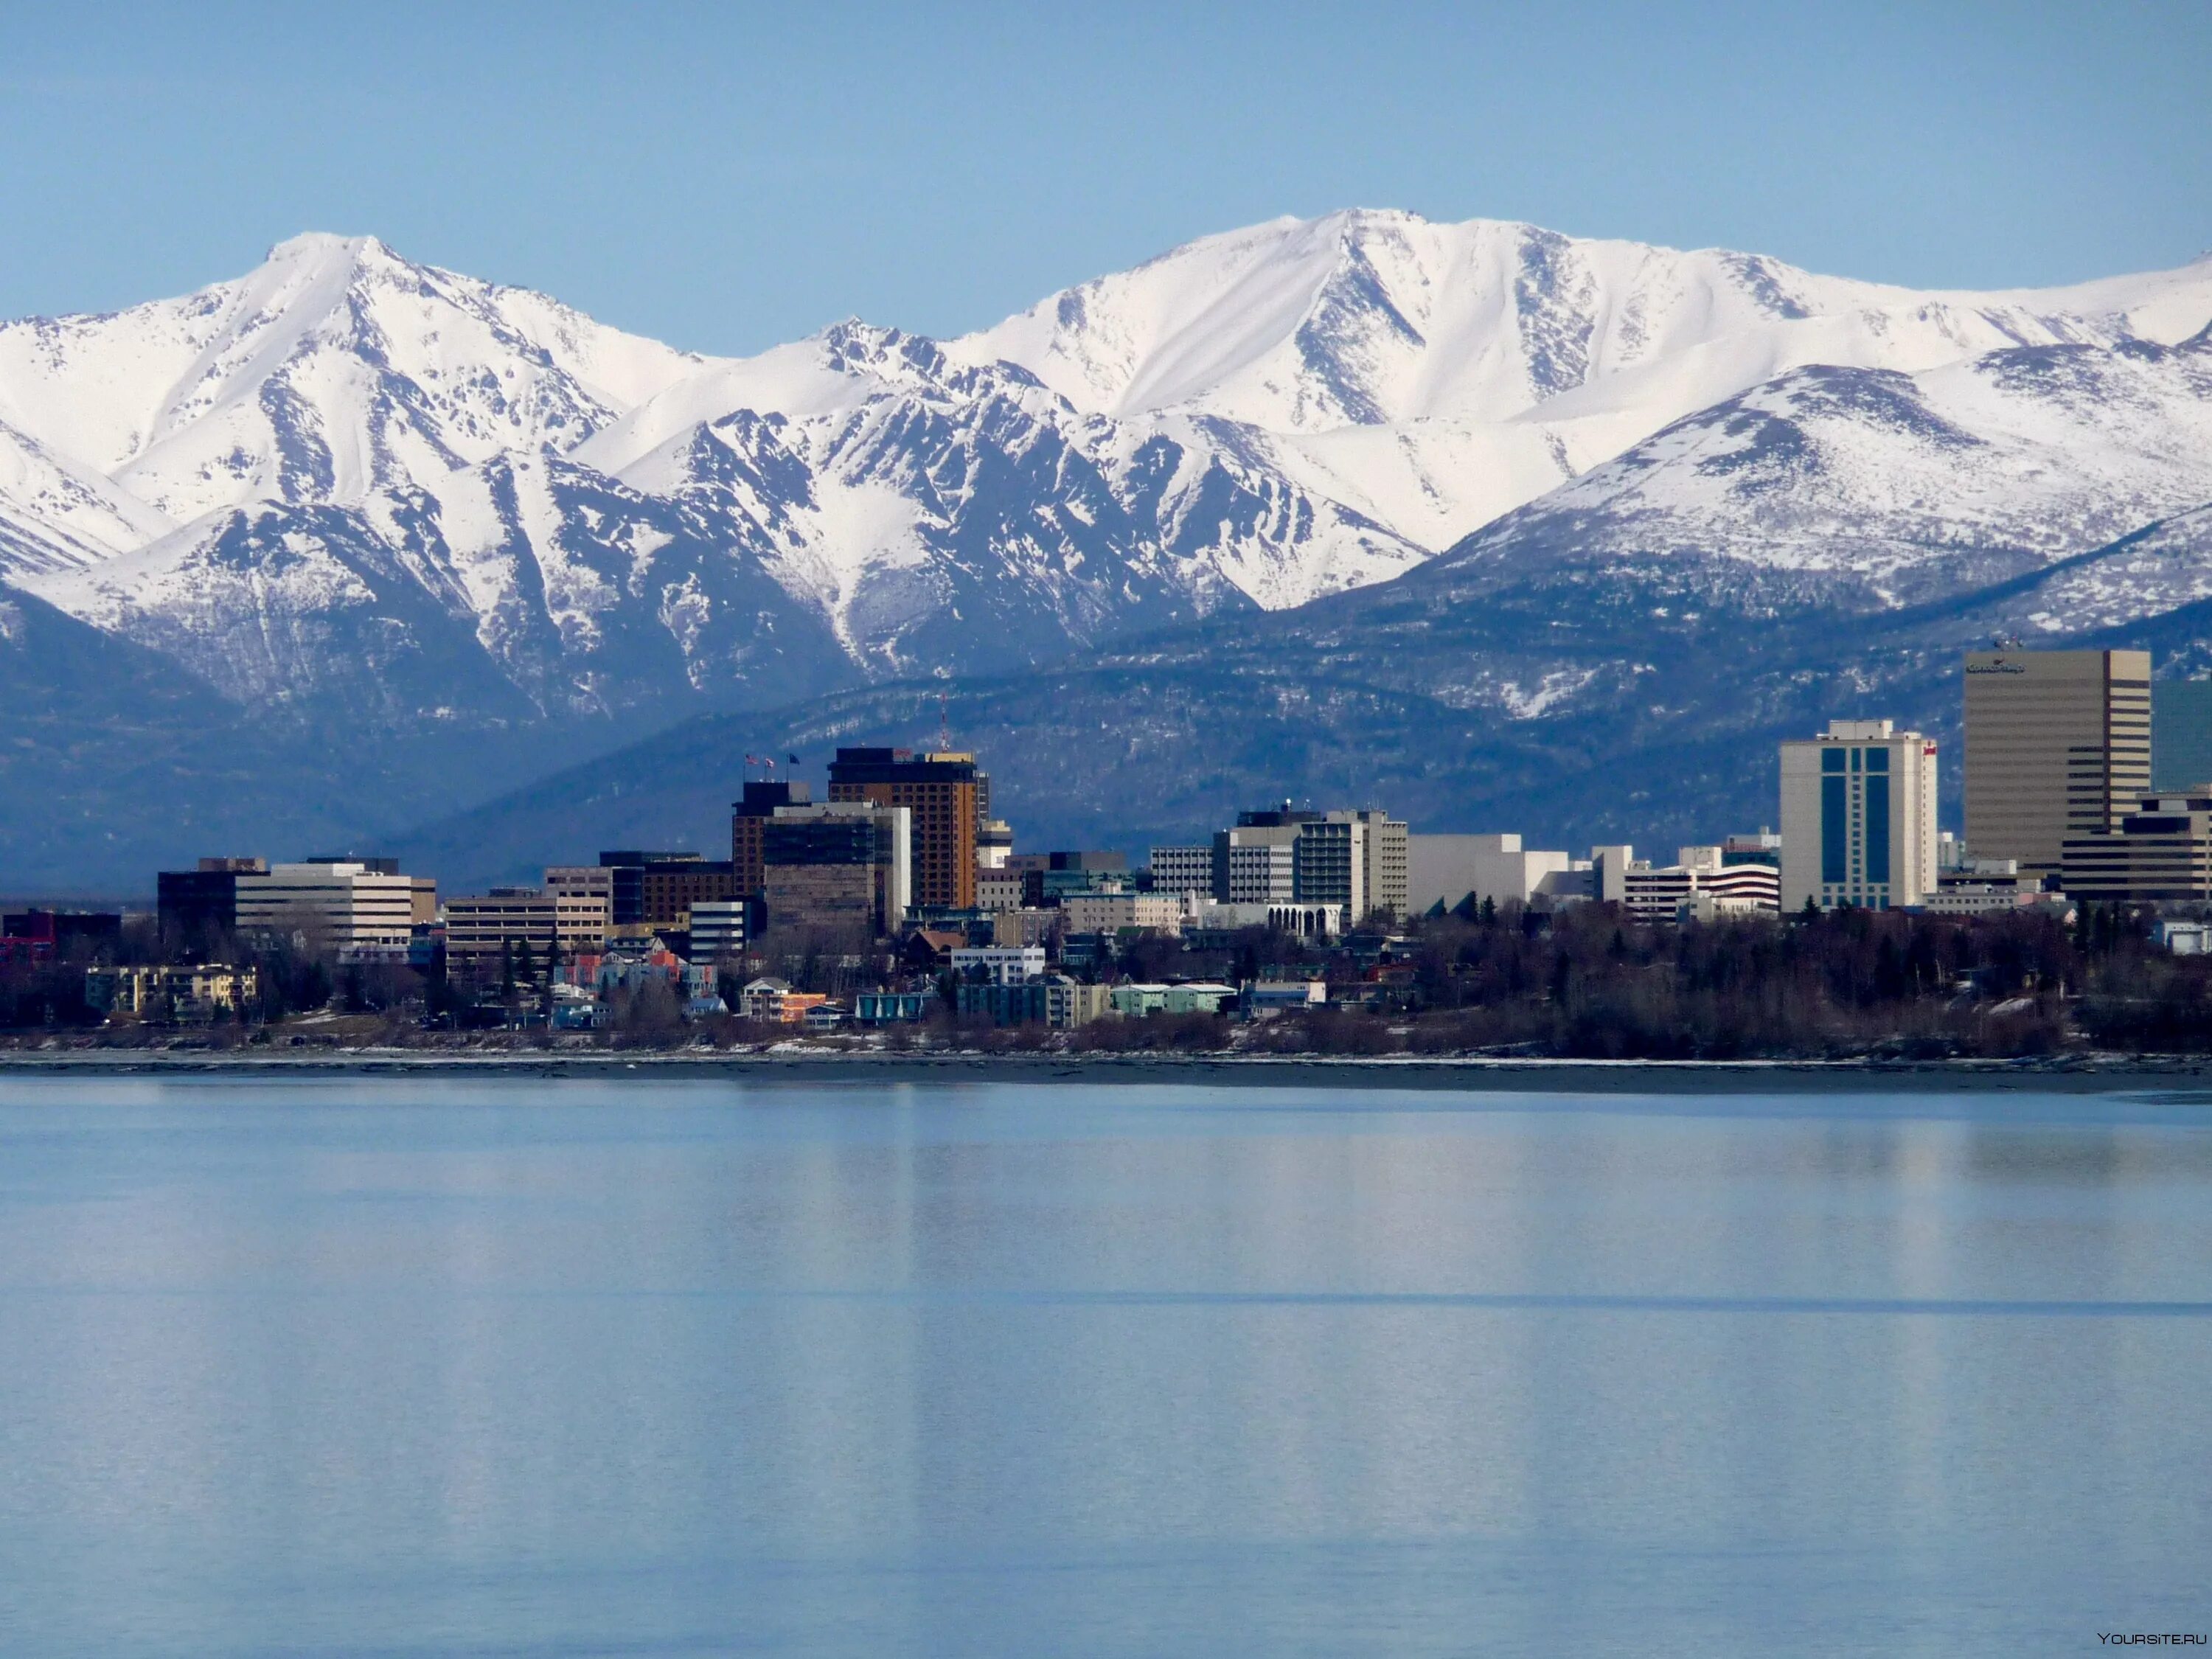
(2070, 1074)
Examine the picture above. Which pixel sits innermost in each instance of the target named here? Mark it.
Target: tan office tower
(2058, 743)
(940, 790)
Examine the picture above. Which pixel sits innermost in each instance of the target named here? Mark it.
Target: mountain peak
(327, 247)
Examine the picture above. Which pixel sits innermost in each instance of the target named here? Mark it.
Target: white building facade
(1447, 869)
(336, 906)
(1858, 818)
(1002, 964)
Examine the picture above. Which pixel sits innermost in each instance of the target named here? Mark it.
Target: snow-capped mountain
(349, 481)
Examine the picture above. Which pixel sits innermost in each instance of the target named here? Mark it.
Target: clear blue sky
(726, 177)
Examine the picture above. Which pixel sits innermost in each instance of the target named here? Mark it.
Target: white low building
(1001, 964)
(1300, 920)
(1447, 870)
(1701, 883)
(1108, 913)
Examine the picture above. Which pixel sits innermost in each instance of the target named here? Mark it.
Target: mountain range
(1501, 527)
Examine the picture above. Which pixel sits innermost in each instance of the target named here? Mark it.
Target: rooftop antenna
(944, 724)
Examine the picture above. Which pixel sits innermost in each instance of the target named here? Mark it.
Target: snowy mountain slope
(1501, 358)
(1891, 487)
(347, 483)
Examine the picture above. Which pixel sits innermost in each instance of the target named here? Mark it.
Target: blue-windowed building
(1858, 818)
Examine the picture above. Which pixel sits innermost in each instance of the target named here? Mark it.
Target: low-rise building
(513, 919)
(1265, 997)
(2161, 851)
(1135, 1000)
(199, 992)
(59, 935)
(998, 965)
(1975, 887)
(1025, 927)
(1054, 1001)
(1699, 884)
(1449, 871)
(773, 1002)
(1109, 913)
(1212, 922)
(1199, 997)
(2184, 938)
(330, 904)
(893, 1007)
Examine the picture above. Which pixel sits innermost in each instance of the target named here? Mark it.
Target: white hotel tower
(1858, 818)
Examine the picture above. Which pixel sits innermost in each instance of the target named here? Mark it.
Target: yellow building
(199, 992)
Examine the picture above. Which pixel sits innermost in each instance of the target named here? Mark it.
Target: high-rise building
(657, 890)
(942, 791)
(1858, 818)
(720, 929)
(1387, 848)
(2058, 745)
(1358, 861)
(2180, 736)
(837, 864)
(747, 815)
(1185, 869)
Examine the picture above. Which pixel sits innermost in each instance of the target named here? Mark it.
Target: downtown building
(2160, 851)
(837, 866)
(1357, 861)
(948, 799)
(539, 919)
(2058, 745)
(346, 905)
(1858, 818)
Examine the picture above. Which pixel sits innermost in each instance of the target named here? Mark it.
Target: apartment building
(999, 964)
(199, 992)
(1108, 913)
(2058, 745)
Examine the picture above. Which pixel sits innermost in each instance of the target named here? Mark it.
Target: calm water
(438, 1366)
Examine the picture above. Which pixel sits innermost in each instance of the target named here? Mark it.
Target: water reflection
(675, 1368)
